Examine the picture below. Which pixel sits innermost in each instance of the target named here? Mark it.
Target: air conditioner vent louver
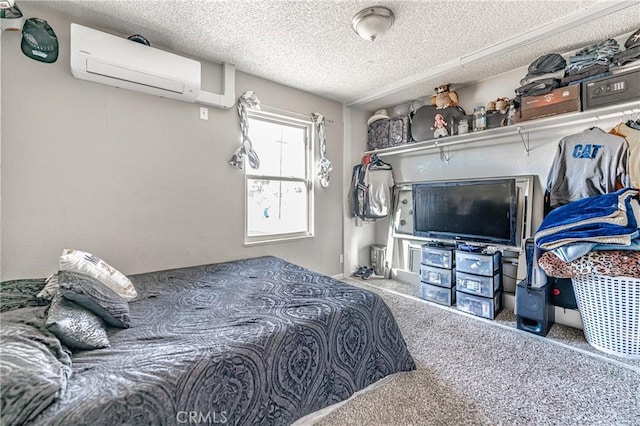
(125, 74)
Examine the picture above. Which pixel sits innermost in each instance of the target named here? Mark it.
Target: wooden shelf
(519, 129)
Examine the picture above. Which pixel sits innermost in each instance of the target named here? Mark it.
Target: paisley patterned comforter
(257, 341)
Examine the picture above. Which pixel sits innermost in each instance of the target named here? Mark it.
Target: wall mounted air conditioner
(104, 58)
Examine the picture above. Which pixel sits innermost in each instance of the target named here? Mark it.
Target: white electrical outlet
(204, 113)
(341, 258)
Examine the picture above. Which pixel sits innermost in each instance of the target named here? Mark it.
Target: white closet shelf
(525, 127)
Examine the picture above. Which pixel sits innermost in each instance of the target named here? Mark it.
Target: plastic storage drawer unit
(477, 263)
(480, 306)
(438, 256)
(438, 276)
(441, 295)
(478, 284)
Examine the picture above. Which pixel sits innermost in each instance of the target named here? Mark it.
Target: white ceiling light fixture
(372, 22)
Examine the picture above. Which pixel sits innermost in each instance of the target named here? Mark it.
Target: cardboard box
(558, 101)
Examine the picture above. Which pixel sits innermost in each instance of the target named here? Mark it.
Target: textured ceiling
(309, 44)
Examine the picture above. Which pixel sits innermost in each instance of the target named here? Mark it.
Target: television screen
(478, 211)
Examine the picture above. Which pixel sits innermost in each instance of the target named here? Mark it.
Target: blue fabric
(590, 219)
(571, 252)
(598, 207)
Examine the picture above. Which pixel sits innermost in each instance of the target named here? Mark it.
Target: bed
(255, 341)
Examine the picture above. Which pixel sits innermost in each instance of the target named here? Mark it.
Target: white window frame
(296, 120)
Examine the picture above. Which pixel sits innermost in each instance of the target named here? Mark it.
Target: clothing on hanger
(632, 136)
(378, 164)
(588, 163)
(634, 124)
(370, 196)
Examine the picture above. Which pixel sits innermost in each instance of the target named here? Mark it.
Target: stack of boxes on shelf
(479, 282)
(438, 274)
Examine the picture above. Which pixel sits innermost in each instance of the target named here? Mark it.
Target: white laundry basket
(610, 311)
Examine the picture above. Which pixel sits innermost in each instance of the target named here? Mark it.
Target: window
(279, 194)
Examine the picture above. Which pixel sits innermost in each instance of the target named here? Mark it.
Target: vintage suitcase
(399, 130)
(378, 134)
(388, 132)
(423, 123)
(558, 101)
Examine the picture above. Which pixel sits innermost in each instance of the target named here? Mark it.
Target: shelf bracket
(524, 142)
(444, 154)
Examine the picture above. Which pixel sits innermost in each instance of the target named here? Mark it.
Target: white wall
(136, 179)
(358, 237)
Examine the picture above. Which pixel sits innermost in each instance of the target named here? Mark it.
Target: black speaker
(534, 312)
(562, 292)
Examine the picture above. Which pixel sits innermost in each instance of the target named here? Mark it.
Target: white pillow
(86, 263)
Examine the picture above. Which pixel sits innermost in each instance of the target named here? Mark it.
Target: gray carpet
(559, 333)
(472, 372)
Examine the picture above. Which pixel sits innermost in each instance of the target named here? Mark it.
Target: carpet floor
(559, 333)
(476, 372)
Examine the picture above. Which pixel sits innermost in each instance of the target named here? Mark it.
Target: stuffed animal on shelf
(444, 97)
(440, 127)
(501, 105)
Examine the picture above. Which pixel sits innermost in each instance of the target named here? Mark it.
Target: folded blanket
(606, 218)
(604, 208)
(570, 252)
(611, 263)
(608, 238)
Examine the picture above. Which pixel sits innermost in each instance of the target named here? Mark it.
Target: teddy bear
(444, 97)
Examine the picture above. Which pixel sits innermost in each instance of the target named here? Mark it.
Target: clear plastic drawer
(438, 276)
(441, 295)
(485, 307)
(479, 264)
(479, 284)
(441, 257)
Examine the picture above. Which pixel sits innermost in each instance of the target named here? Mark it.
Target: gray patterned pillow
(50, 288)
(92, 294)
(34, 367)
(75, 326)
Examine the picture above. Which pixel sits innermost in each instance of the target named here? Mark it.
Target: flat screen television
(482, 211)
